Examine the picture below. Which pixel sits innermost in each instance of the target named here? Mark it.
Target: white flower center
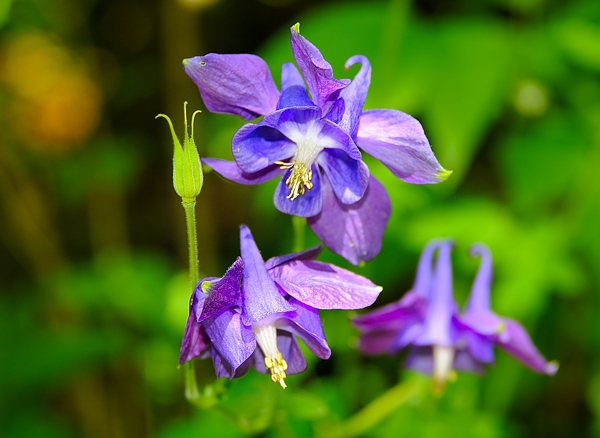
(443, 357)
(308, 148)
(266, 337)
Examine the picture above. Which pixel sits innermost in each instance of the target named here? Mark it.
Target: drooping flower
(441, 340)
(253, 314)
(311, 134)
(483, 328)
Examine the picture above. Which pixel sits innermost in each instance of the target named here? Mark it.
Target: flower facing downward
(441, 340)
(254, 313)
(310, 136)
(483, 328)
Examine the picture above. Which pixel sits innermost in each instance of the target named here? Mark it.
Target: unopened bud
(187, 169)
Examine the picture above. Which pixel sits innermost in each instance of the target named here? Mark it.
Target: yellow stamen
(300, 178)
(277, 367)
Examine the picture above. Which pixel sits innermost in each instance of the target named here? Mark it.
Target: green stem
(190, 220)
(383, 406)
(191, 387)
(299, 224)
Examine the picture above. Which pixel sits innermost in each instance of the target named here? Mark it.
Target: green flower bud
(187, 169)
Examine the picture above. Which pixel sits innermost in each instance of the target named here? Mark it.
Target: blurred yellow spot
(531, 98)
(55, 105)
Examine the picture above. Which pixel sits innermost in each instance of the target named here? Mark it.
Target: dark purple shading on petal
(195, 342)
(308, 254)
(256, 147)
(520, 346)
(233, 340)
(306, 324)
(354, 95)
(349, 178)
(234, 84)
(306, 205)
(325, 286)
(231, 171)
(353, 231)
(222, 367)
(260, 297)
(293, 90)
(317, 72)
(398, 141)
(223, 293)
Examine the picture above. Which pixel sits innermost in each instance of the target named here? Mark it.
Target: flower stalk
(187, 182)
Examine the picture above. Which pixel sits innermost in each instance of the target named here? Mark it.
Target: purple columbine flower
(311, 133)
(441, 340)
(483, 329)
(253, 314)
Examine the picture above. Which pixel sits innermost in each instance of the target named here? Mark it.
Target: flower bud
(187, 169)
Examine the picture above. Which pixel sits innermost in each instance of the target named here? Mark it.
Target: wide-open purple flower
(311, 133)
(440, 339)
(253, 314)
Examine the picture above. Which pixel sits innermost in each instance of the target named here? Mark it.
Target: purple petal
(260, 297)
(293, 90)
(393, 315)
(424, 278)
(288, 346)
(233, 340)
(480, 347)
(234, 84)
(224, 293)
(480, 292)
(484, 322)
(295, 123)
(306, 324)
(439, 324)
(195, 342)
(420, 359)
(465, 362)
(306, 205)
(520, 346)
(256, 147)
(308, 254)
(354, 95)
(316, 71)
(222, 367)
(348, 177)
(376, 342)
(290, 77)
(325, 286)
(353, 231)
(392, 327)
(231, 171)
(398, 141)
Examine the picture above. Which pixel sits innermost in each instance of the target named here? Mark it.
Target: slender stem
(190, 220)
(299, 224)
(380, 408)
(191, 387)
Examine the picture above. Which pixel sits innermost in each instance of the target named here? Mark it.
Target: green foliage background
(93, 290)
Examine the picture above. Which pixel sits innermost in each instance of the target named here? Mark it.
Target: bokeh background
(93, 282)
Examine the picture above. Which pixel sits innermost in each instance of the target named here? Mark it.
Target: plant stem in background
(407, 391)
